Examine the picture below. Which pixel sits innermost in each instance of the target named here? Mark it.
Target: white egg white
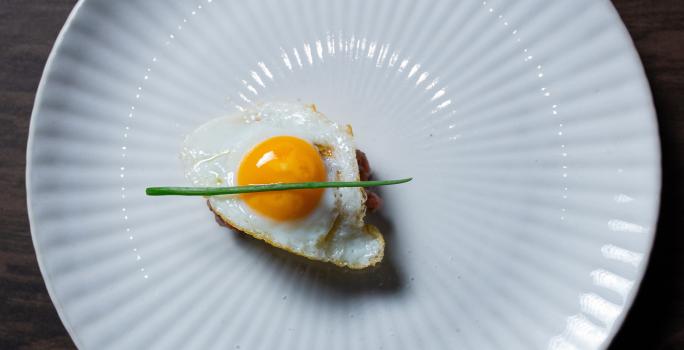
(335, 231)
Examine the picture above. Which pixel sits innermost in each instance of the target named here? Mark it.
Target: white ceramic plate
(528, 126)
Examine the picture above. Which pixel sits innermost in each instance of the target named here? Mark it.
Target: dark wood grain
(28, 320)
(27, 31)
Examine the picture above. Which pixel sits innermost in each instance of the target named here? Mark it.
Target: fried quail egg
(286, 142)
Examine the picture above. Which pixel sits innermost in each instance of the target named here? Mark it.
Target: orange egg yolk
(282, 159)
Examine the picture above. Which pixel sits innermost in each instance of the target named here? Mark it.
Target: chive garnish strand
(216, 191)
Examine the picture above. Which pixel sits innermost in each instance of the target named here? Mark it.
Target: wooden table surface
(28, 320)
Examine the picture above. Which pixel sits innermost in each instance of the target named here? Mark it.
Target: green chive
(215, 191)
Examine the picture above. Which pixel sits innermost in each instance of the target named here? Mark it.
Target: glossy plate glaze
(527, 125)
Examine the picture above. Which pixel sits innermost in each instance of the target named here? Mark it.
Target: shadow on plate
(384, 278)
